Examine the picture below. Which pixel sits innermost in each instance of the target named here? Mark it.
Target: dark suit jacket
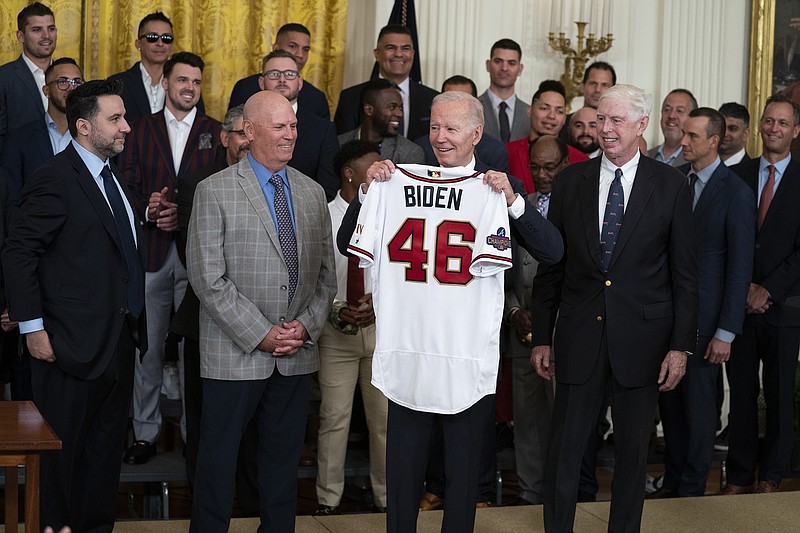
(186, 321)
(348, 114)
(310, 98)
(776, 265)
(20, 98)
(646, 304)
(532, 230)
(134, 96)
(147, 167)
(725, 223)
(314, 150)
(489, 150)
(27, 148)
(64, 262)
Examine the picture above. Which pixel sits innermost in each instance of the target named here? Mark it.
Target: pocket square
(205, 141)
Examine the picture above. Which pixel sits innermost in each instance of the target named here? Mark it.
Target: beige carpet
(750, 513)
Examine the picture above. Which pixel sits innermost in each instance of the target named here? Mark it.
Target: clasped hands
(284, 340)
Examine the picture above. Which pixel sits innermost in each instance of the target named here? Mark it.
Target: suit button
(121, 311)
(283, 287)
(599, 318)
(282, 319)
(125, 280)
(608, 283)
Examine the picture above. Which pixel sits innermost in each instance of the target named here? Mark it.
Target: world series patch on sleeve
(438, 240)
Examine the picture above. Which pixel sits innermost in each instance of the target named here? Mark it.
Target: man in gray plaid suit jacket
(265, 278)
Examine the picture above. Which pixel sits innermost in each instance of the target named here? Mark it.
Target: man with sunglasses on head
(21, 80)
(143, 92)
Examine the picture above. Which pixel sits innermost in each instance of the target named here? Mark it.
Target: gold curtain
(231, 37)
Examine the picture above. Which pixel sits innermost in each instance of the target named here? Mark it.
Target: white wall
(701, 45)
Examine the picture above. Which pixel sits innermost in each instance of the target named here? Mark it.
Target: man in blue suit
(316, 137)
(31, 145)
(21, 81)
(724, 220)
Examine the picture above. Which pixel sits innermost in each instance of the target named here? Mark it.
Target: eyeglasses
(276, 74)
(549, 169)
(166, 38)
(240, 133)
(66, 83)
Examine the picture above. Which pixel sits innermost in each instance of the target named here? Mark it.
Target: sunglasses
(276, 74)
(166, 38)
(66, 83)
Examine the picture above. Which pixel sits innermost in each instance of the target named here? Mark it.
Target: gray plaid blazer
(236, 267)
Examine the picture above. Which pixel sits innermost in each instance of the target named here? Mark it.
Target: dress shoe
(139, 453)
(661, 494)
(765, 487)
(327, 510)
(430, 502)
(731, 489)
(483, 505)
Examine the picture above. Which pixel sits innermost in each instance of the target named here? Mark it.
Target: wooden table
(23, 434)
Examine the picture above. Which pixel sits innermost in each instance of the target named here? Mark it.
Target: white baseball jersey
(439, 240)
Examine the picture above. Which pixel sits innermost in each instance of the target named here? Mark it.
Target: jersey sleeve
(364, 239)
(492, 251)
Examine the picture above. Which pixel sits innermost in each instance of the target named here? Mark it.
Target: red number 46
(451, 259)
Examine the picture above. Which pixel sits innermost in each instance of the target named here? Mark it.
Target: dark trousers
(193, 403)
(689, 418)
(776, 348)
(574, 418)
(407, 444)
(280, 404)
(79, 483)
(435, 477)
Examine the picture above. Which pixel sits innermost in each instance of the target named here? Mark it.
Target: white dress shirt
(155, 93)
(38, 75)
(607, 171)
(178, 131)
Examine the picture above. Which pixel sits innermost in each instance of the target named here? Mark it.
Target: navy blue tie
(135, 277)
(612, 220)
(285, 233)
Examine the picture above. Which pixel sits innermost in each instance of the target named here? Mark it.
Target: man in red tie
(771, 327)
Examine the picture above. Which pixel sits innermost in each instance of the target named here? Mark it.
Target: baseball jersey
(438, 240)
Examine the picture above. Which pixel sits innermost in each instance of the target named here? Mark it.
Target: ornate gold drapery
(231, 37)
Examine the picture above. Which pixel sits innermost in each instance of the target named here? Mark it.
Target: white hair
(474, 109)
(639, 103)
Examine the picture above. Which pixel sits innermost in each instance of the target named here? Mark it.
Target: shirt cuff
(517, 208)
(30, 326)
(724, 335)
(146, 216)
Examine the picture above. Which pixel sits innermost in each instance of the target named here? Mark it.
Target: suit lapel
(192, 142)
(42, 140)
(26, 78)
(162, 144)
(588, 201)
(710, 191)
(138, 91)
(643, 186)
(96, 198)
(785, 194)
(249, 184)
(298, 200)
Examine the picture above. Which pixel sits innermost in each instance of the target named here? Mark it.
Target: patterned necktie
(542, 204)
(692, 183)
(766, 196)
(285, 233)
(612, 221)
(135, 277)
(505, 129)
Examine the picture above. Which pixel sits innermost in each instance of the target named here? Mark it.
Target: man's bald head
(271, 128)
